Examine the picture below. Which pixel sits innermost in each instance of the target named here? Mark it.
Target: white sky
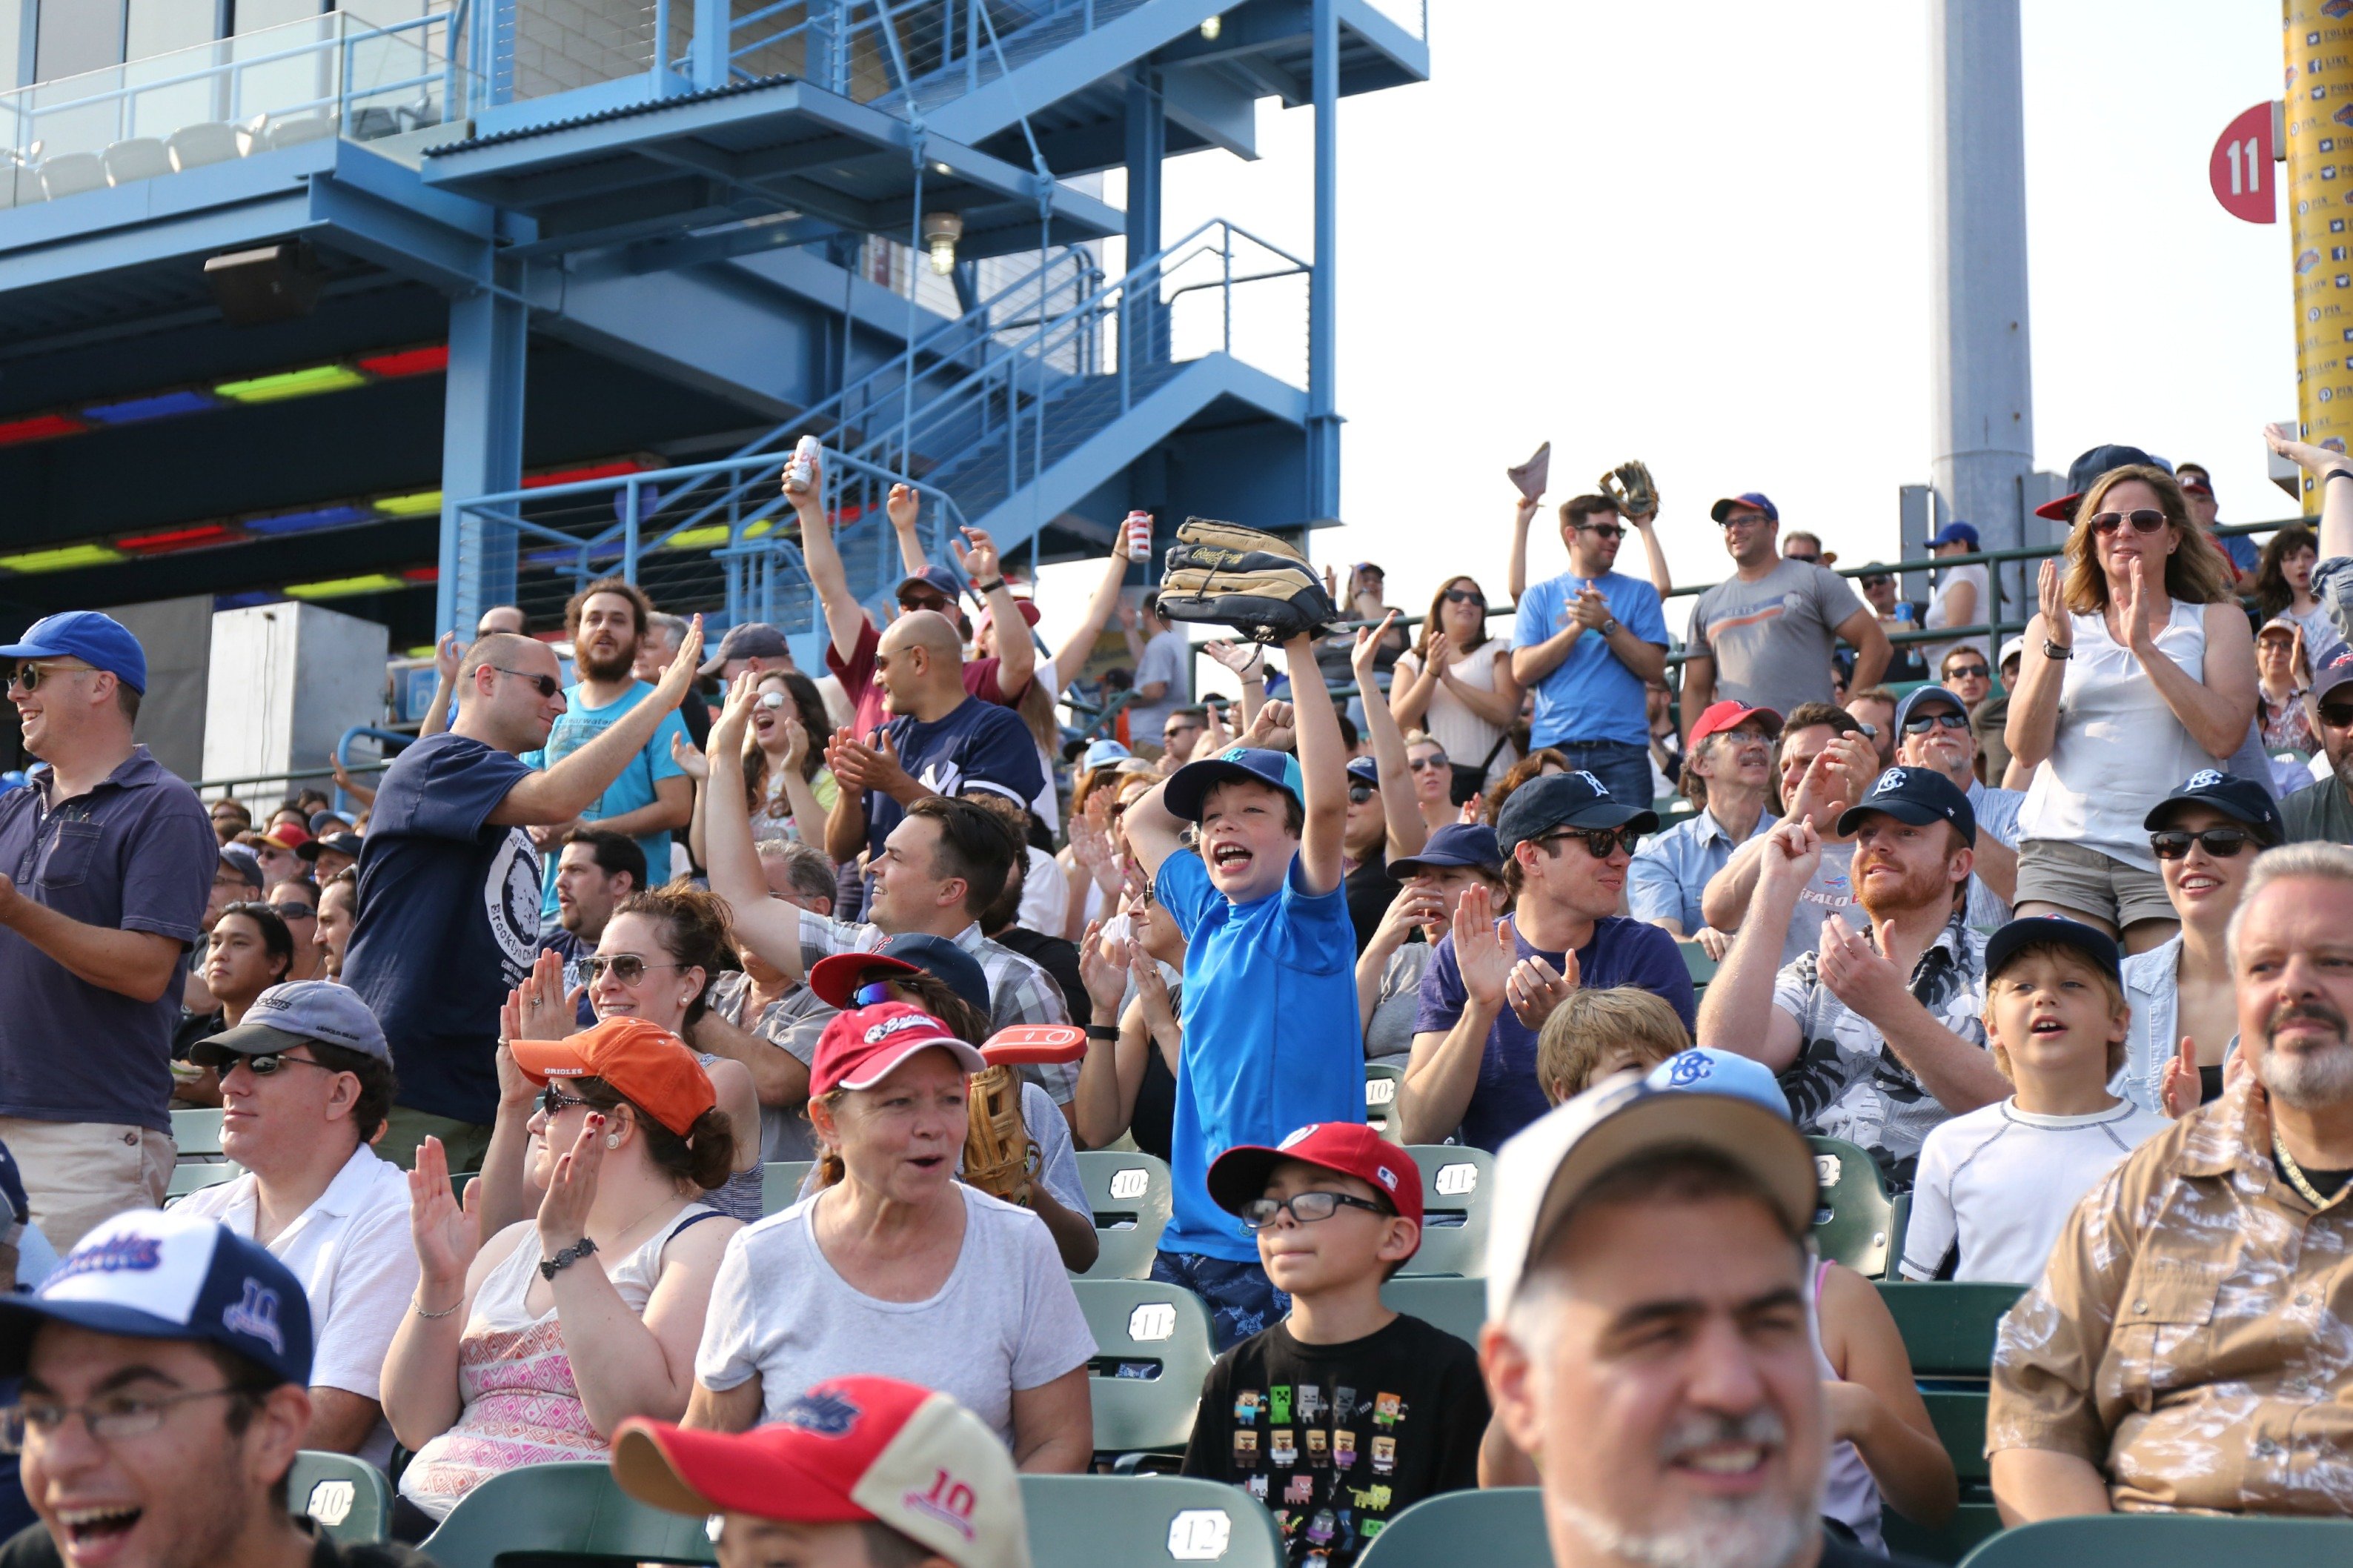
(1698, 234)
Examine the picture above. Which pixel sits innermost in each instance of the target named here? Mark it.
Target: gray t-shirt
(793, 1024)
(1005, 1320)
(1164, 660)
(1389, 1037)
(1771, 639)
(1830, 892)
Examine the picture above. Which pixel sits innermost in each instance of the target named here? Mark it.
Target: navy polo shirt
(136, 853)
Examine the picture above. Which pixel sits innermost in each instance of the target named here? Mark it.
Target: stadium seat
(2169, 1540)
(1152, 1348)
(1130, 1194)
(1098, 1522)
(1381, 1085)
(780, 1184)
(206, 142)
(350, 1497)
(1701, 966)
(573, 1511)
(1506, 1523)
(1948, 1328)
(1856, 1218)
(297, 129)
(71, 173)
(136, 158)
(1442, 1300)
(1973, 1522)
(1456, 1200)
(196, 1133)
(195, 1175)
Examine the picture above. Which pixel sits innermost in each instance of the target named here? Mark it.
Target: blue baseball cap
(833, 980)
(149, 1275)
(2037, 930)
(1707, 1070)
(1916, 795)
(1365, 770)
(1912, 700)
(1103, 753)
(297, 1013)
(2241, 800)
(1574, 799)
(1956, 533)
(1456, 844)
(1188, 787)
(1747, 498)
(98, 640)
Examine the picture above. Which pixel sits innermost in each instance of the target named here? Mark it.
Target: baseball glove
(1631, 486)
(999, 1156)
(1234, 576)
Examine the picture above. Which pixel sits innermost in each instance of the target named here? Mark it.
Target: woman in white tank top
(2138, 672)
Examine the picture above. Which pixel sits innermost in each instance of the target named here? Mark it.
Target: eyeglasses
(109, 1418)
(1178, 730)
(625, 967)
(1465, 596)
(2223, 842)
(1800, 556)
(1359, 793)
(553, 1102)
(1601, 530)
(28, 677)
(1871, 582)
(1306, 1208)
(270, 1063)
(1928, 721)
(2145, 520)
(1968, 673)
(295, 912)
(924, 602)
(545, 684)
(1599, 842)
(2336, 715)
(1739, 519)
(1429, 764)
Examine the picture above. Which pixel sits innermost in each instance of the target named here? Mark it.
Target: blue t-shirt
(447, 921)
(1508, 1096)
(974, 742)
(575, 953)
(2240, 550)
(1272, 1041)
(1590, 696)
(633, 790)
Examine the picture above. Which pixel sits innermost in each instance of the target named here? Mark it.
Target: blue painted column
(1143, 323)
(482, 453)
(1322, 283)
(708, 57)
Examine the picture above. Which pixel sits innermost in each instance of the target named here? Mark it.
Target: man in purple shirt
(106, 863)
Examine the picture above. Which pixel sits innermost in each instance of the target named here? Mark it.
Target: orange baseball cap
(643, 1061)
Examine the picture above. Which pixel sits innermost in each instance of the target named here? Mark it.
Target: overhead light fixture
(1211, 28)
(306, 522)
(63, 559)
(943, 168)
(407, 361)
(417, 504)
(179, 539)
(40, 427)
(303, 383)
(343, 587)
(941, 231)
(161, 405)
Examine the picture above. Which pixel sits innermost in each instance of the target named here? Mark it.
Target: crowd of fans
(2056, 927)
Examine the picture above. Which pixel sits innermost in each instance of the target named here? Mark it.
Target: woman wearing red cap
(534, 1345)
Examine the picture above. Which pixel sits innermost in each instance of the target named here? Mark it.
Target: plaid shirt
(2188, 1337)
(1019, 991)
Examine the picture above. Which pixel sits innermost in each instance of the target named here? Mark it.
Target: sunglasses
(1359, 793)
(625, 967)
(28, 677)
(553, 1101)
(1869, 582)
(1928, 721)
(873, 994)
(2221, 842)
(1602, 530)
(1740, 519)
(1968, 673)
(1599, 842)
(2145, 520)
(1305, 1207)
(1429, 764)
(1465, 596)
(295, 912)
(268, 1064)
(545, 684)
(2336, 715)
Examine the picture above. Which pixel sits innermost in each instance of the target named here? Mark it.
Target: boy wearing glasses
(1346, 1413)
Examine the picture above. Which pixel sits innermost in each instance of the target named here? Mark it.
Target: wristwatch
(549, 1268)
(990, 586)
(2056, 650)
(1610, 629)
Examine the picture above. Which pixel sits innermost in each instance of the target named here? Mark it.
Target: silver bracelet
(416, 1305)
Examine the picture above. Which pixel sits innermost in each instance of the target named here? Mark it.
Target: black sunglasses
(1968, 673)
(1877, 582)
(2336, 715)
(1602, 530)
(553, 1101)
(2223, 842)
(1465, 596)
(28, 677)
(1305, 1207)
(1928, 721)
(269, 1063)
(2145, 520)
(295, 912)
(1599, 842)
(546, 685)
(1359, 793)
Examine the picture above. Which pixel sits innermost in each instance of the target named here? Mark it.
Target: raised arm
(2335, 497)
(770, 927)
(1524, 512)
(2032, 727)
(561, 793)
(1661, 578)
(1017, 649)
(1082, 641)
(1322, 768)
(1736, 1012)
(845, 617)
(1407, 831)
(447, 651)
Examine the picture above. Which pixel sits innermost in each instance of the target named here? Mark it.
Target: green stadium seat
(1457, 1196)
(1099, 1522)
(1130, 1193)
(195, 1176)
(196, 1131)
(2169, 1540)
(573, 1511)
(1959, 1417)
(350, 1498)
(1696, 960)
(1974, 1520)
(1152, 1348)
(1950, 1328)
(1442, 1300)
(1856, 1218)
(780, 1184)
(1502, 1528)
(1381, 1085)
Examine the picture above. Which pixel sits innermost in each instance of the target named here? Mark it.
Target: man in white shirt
(306, 1080)
(1933, 730)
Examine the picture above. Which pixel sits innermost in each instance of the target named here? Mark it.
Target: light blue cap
(1713, 1071)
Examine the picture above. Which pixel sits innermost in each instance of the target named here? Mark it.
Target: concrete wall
(287, 680)
(177, 636)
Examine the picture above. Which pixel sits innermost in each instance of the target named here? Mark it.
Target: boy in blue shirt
(1271, 1040)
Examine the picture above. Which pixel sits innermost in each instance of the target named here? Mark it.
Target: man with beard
(2323, 811)
(1591, 702)
(1878, 1036)
(653, 795)
(2186, 1346)
(1649, 1340)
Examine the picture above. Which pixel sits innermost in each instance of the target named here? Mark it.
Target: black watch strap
(988, 587)
(549, 1268)
(1102, 1031)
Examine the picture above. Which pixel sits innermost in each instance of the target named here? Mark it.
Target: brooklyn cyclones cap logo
(1689, 1068)
(2204, 778)
(1889, 782)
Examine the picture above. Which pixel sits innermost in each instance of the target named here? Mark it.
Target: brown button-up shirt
(2192, 1335)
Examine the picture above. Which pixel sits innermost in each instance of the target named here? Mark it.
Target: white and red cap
(859, 1049)
(849, 1450)
(1351, 1148)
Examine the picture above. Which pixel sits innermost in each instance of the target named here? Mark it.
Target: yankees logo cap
(859, 1049)
(1916, 795)
(850, 1451)
(148, 1275)
(642, 1061)
(1351, 1148)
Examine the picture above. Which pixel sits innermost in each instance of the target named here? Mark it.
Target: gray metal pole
(1982, 447)
(1324, 282)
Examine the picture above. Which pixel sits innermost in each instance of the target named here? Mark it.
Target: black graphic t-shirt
(1339, 1439)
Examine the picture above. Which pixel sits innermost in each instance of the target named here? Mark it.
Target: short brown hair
(1589, 1025)
(2110, 987)
(377, 1085)
(1576, 509)
(641, 608)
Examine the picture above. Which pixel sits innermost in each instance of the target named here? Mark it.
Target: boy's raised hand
(1272, 729)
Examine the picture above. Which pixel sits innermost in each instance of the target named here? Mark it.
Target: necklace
(2295, 1175)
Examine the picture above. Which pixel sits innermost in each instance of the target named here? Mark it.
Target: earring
(612, 1140)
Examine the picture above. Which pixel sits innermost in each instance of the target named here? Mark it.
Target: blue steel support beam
(1144, 330)
(481, 452)
(708, 55)
(1322, 283)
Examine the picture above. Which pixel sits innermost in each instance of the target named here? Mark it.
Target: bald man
(939, 740)
(507, 619)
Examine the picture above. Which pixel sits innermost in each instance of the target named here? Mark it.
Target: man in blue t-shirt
(1492, 985)
(1586, 642)
(449, 879)
(651, 795)
(1272, 1041)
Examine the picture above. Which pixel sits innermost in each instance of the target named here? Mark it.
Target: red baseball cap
(1730, 715)
(646, 1064)
(851, 1449)
(1351, 1148)
(286, 836)
(859, 1049)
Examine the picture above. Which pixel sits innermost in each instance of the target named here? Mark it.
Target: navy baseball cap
(1365, 770)
(1456, 844)
(343, 843)
(98, 640)
(2332, 667)
(241, 859)
(1912, 700)
(1956, 533)
(833, 980)
(1747, 498)
(2241, 800)
(1573, 799)
(938, 577)
(1916, 795)
(751, 639)
(297, 1013)
(148, 1275)
(2085, 471)
(2037, 930)
(1188, 787)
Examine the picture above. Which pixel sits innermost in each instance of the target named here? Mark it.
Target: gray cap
(296, 1014)
(241, 859)
(753, 639)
